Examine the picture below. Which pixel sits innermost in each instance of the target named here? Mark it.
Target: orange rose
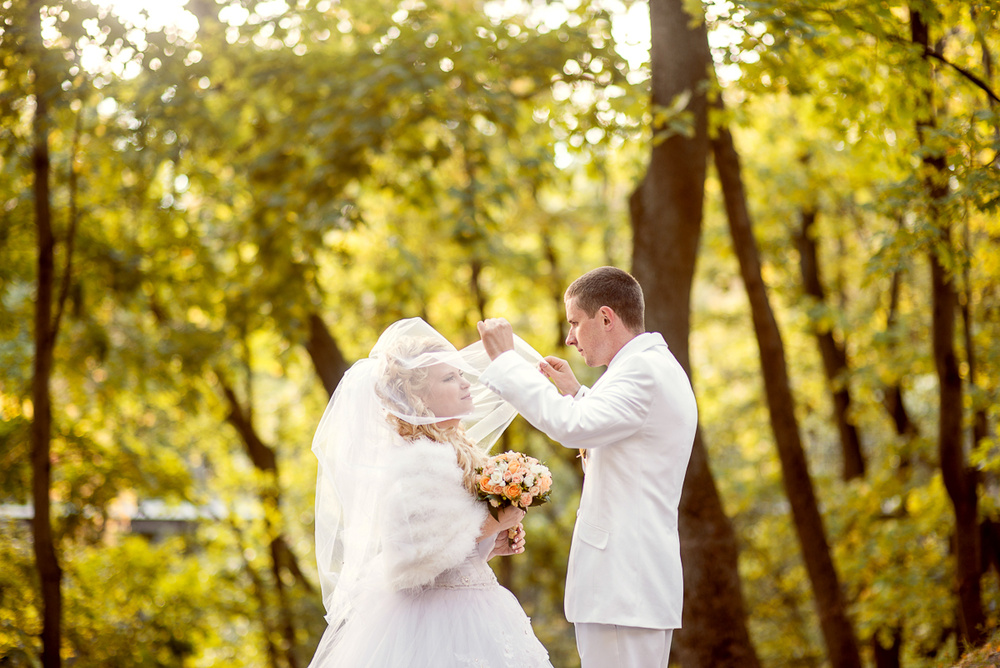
(512, 492)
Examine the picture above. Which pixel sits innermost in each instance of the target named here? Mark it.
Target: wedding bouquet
(513, 479)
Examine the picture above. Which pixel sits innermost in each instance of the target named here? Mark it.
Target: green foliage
(369, 161)
(826, 100)
(229, 184)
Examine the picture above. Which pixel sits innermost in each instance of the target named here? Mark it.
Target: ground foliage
(217, 183)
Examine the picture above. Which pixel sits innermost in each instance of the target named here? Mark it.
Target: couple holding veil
(403, 538)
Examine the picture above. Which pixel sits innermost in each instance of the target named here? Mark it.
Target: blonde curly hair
(402, 388)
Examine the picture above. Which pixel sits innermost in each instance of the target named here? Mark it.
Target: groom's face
(587, 334)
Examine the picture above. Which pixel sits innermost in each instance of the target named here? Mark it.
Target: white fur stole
(431, 522)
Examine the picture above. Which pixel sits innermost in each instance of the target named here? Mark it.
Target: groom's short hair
(612, 287)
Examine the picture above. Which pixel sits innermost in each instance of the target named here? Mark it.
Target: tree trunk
(666, 213)
(838, 633)
(260, 593)
(833, 353)
(265, 460)
(556, 284)
(888, 657)
(893, 394)
(327, 359)
(835, 366)
(959, 480)
(49, 571)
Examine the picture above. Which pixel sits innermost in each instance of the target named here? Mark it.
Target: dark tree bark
(833, 353)
(960, 481)
(476, 287)
(666, 213)
(838, 633)
(888, 657)
(327, 359)
(893, 394)
(556, 284)
(49, 571)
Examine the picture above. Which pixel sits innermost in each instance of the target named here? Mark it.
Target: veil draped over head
(355, 443)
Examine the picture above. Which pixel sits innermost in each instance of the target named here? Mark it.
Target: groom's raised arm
(587, 422)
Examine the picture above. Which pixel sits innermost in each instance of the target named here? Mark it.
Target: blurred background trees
(209, 210)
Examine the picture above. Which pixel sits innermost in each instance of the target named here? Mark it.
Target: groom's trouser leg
(609, 646)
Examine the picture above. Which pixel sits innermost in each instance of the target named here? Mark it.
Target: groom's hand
(560, 373)
(497, 336)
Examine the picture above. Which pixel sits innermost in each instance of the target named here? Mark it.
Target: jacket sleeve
(431, 522)
(595, 417)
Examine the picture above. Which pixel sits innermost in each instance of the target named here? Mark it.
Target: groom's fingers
(555, 362)
(497, 336)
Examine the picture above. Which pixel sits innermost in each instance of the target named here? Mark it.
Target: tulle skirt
(481, 625)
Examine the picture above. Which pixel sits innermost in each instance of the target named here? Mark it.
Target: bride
(402, 543)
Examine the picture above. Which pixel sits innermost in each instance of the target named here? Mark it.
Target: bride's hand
(506, 518)
(504, 545)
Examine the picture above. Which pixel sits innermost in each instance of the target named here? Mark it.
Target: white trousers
(609, 646)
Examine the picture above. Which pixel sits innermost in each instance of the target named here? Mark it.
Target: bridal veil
(354, 445)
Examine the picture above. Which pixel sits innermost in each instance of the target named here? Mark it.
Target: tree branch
(964, 72)
(929, 52)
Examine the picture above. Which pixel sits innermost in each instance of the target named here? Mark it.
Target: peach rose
(525, 500)
(512, 492)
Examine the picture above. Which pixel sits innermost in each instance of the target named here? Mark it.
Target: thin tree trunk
(556, 282)
(49, 571)
(476, 286)
(959, 480)
(893, 394)
(838, 633)
(284, 609)
(265, 460)
(833, 353)
(666, 213)
(327, 359)
(979, 421)
(835, 366)
(260, 593)
(888, 657)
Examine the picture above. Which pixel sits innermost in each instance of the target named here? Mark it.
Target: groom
(636, 425)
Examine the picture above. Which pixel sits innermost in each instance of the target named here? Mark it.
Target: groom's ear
(608, 316)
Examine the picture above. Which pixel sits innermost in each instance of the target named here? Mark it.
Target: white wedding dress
(436, 602)
(463, 619)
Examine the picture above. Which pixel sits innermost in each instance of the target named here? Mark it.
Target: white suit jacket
(637, 423)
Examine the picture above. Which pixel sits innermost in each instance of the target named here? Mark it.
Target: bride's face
(447, 392)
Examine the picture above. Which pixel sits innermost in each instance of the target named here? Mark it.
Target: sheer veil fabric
(355, 442)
